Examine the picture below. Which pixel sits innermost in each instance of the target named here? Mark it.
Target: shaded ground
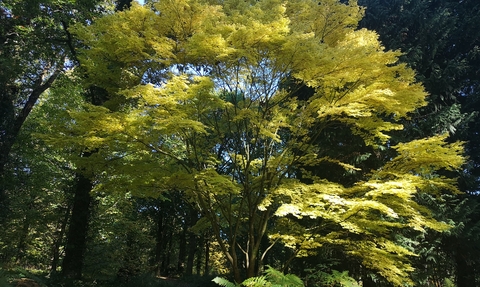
(23, 278)
(179, 282)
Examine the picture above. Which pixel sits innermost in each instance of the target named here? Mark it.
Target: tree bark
(58, 240)
(159, 243)
(207, 257)
(77, 232)
(198, 266)
(192, 243)
(166, 267)
(182, 249)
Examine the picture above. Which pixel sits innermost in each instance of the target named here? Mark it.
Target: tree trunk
(198, 266)
(78, 229)
(21, 246)
(4, 204)
(192, 250)
(3, 198)
(182, 248)
(167, 256)
(159, 243)
(58, 241)
(192, 242)
(252, 266)
(207, 257)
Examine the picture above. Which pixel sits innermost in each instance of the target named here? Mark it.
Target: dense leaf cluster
(199, 137)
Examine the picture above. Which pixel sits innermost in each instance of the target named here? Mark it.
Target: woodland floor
(24, 278)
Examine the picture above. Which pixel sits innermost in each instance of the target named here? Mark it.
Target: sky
(141, 1)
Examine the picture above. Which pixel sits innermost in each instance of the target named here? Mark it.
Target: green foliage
(439, 42)
(272, 278)
(335, 278)
(4, 279)
(40, 190)
(15, 276)
(448, 283)
(35, 43)
(243, 159)
(204, 105)
(121, 237)
(224, 282)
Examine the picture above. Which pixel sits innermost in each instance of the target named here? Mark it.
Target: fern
(344, 279)
(329, 278)
(272, 278)
(224, 282)
(283, 280)
(260, 281)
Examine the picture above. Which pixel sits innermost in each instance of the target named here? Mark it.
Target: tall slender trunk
(192, 250)
(7, 117)
(21, 246)
(58, 240)
(192, 242)
(207, 257)
(77, 232)
(198, 266)
(182, 249)
(166, 267)
(159, 243)
(3, 195)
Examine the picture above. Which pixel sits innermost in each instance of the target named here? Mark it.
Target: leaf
(224, 282)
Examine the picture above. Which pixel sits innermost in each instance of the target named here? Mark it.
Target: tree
(41, 180)
(76, 244)
(199, 105)
(440, 43)
(35, 48)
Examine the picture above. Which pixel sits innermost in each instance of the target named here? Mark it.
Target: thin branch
(268, 249)
(179, 160)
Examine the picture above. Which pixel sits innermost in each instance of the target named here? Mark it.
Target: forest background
(347, 198)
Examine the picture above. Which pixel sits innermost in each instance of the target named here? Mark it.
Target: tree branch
(39, 88)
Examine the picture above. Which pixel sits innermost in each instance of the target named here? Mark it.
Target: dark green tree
(35, 48)
(41, 181)
(440, 41)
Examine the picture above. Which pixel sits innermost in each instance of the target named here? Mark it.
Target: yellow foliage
(124, 46)
(426, 155)
(208, 107)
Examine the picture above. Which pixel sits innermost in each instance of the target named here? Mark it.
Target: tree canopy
(235, 138)
(203, 98)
